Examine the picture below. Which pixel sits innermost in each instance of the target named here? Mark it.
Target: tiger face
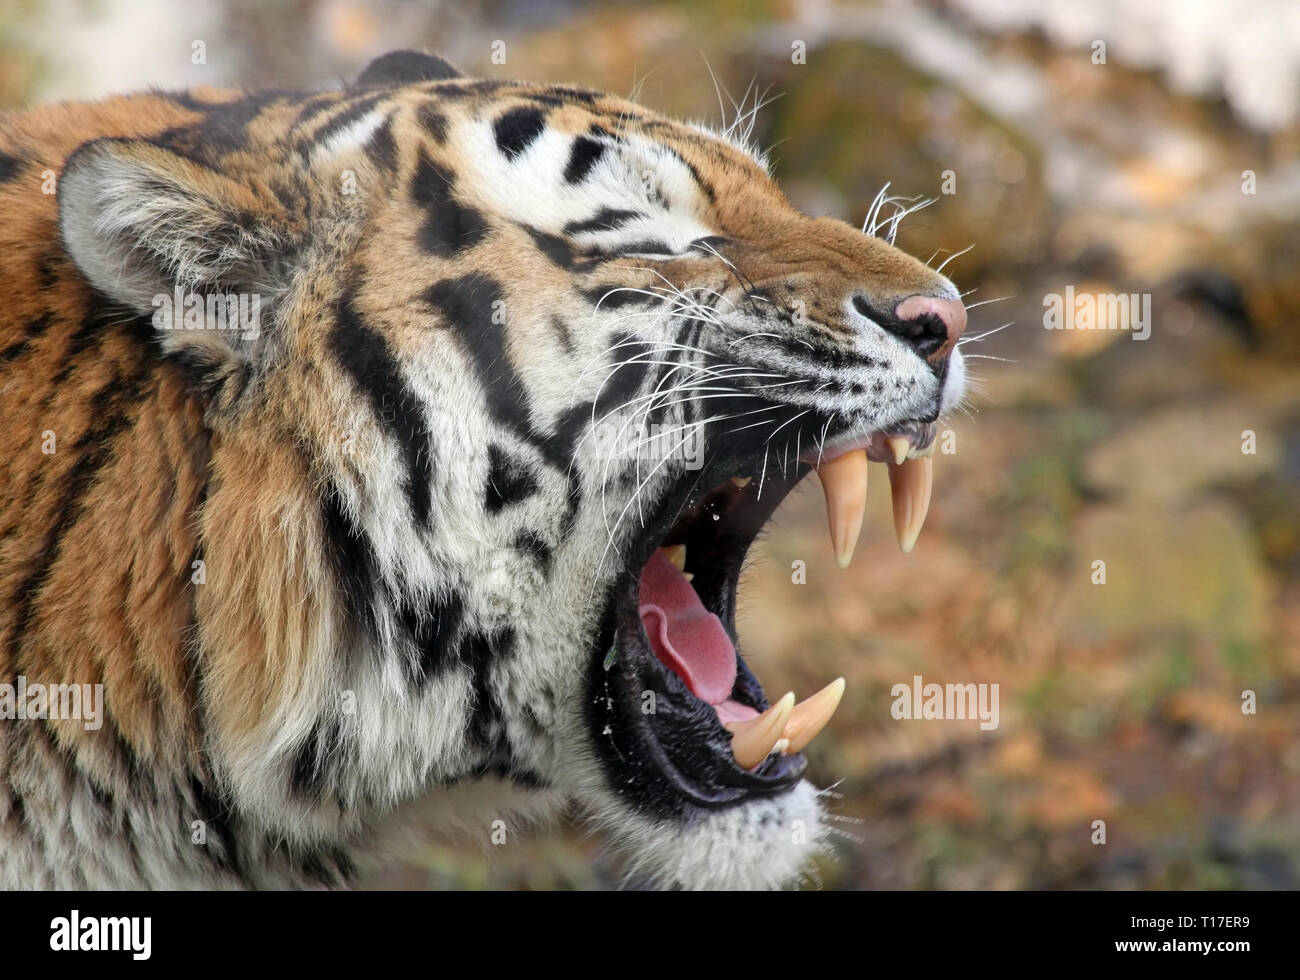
(499, 384)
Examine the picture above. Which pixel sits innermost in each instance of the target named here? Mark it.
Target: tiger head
(501, 381)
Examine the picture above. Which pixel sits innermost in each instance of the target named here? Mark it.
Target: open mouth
(675, 707)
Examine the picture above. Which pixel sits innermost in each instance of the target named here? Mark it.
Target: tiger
(379, 464)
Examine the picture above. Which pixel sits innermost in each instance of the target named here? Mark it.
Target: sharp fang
(910, 484)
(689, 576)
(899, 446)
(809, 717)
(844, 481)
(753, 740)
(741, 481)
(676, 553)
(780, 747)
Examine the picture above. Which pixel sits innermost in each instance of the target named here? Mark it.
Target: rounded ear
(400, 67)
(140, 221)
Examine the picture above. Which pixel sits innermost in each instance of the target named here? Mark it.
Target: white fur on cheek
(954, 387)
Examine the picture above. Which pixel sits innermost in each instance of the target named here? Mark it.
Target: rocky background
(1171, 168)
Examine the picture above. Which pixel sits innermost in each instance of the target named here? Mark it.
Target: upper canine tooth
(844, 481)
(753, 740)
(809, 717)
(676, 553)
(899, 446)
(910, 484)
(741, 481)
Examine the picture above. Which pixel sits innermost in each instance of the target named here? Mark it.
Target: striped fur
(403, 526)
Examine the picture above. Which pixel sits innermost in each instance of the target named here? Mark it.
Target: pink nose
(936, 324)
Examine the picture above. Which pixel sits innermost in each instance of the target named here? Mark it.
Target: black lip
(680, 756)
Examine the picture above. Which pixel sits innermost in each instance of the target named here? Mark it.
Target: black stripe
(432, 631)
(553, 247)
(606, 219)
(583, 157)
(562, 333)
(382, 148)
(340, 122)
(569, 427)
(449, 226)
(45, 269)
(627, 376)
(646, 246)
(352, 558)
(704, 185)
(313, 761)
(96, 324)
(312, 108)
(523, 778)
(516, 130)
(364, 354)
(432, 121)
(329, 868)
(508, 482)
(467, 304)
(109, 408)
(532, 543)
(478, 651)
(223, 127)
(10, 167)
(574, 94)
(220, 826)
(465, 90)
(613, 297)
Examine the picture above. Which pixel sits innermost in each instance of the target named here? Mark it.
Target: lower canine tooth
(844, 481)
(676, 553)
(899, 446)
(782, 744)
(753, 740)
(910, 484)
(809, 717)
(741, 481)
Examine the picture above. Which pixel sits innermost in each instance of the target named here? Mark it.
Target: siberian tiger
(388, 457)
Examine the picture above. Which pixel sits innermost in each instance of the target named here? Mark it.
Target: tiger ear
(399, 67)
(143, 224)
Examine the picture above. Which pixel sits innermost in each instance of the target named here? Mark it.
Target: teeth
(844, 481)
(741, 481)
(676, 553)
(780, 747)
(809, 717)
(910, 484)
(753, 740)
(899, 446)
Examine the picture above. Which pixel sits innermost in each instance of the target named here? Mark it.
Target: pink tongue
(687, 637)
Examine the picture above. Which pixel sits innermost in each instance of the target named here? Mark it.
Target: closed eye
(647, 248)
(657, 248)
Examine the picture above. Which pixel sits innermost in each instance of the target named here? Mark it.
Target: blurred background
(1111, 147)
